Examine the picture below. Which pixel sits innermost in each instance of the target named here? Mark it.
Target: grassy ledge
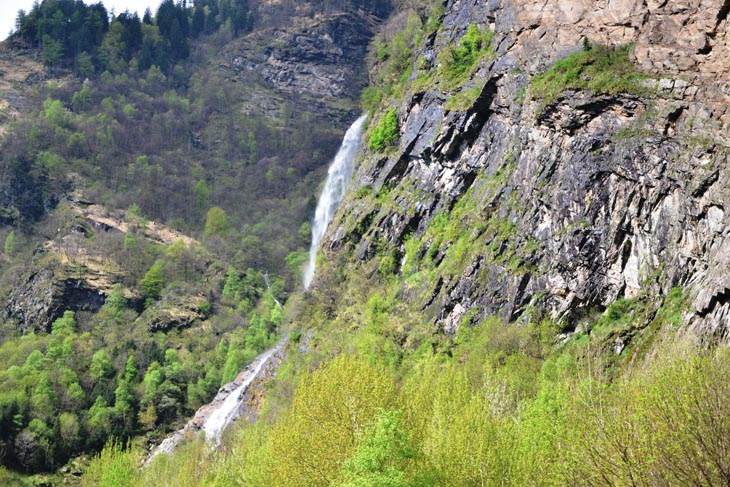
(597, 69)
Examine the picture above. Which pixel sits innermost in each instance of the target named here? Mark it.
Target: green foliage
(216, 222)
(673, 307)
(385, 456)
(202, 194)
(331, 408)
(80, 35)
(397, 53)
(65, 325)
(115, 306)
(84, 64)
(233, 285)
(131, 369)
(52, 51)
(457, 62)
(392, 58)
(9, 246)
(666, 422)
(462, 418)
(296, 261)
(101, 366)
(601, 69)
(65, 393)
(153, 281)
(115, 466)
(385, 132)
(370, 98)
(388, 263)
(463, 99)
(55, 111)
(205, 308)
(130, 242)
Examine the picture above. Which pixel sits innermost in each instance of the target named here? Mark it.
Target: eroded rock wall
(573, 204)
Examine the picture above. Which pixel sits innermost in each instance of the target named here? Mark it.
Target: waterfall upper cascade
(339, 176)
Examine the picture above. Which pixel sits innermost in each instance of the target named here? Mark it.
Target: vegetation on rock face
(392, 54)
(385, 132)
(457, 62)
(597, 69)
(395, 68)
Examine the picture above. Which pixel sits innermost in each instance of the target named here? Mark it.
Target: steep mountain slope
(254, 122)
(518, 191)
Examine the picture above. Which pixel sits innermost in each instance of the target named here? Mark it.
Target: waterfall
(225, 408)
(219, 419)
(338, 178)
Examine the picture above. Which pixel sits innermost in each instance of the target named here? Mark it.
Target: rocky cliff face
(317, 57)
(42, 295)
(508, 205)
(314, 62)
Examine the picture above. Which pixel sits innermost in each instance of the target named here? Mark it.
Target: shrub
(457, 62)
(385, 132)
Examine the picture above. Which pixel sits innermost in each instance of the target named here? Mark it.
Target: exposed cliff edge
(510, 205)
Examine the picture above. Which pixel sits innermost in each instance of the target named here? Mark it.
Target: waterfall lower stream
(214, 424)
(338, 178)
(226, 407)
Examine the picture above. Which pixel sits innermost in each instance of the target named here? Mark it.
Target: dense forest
(85, 37)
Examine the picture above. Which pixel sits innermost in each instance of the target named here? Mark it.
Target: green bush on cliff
(391, 59)
(457, 62)
(385, 132)
(597, 69)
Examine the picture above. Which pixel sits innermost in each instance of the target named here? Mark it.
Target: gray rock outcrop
(570, 205)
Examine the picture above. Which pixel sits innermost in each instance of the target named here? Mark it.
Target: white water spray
(227, 412)
(215, 417)
(338, 178)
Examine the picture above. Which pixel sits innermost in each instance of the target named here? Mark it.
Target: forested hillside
(158, 180)
(524, 285)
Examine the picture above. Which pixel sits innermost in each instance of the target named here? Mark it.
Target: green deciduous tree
(385, 456)
(331, 409)
(101, 365)
(130, 370)
(216, 222)
(55, 112)
(153, 281)
(64, 325)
